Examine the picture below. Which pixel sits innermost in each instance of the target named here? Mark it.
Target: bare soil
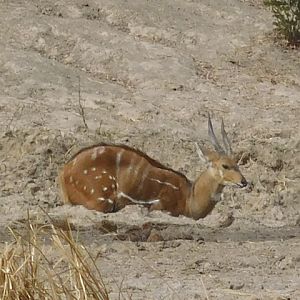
(149, 73)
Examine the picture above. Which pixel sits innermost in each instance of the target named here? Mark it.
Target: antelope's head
(221, 162)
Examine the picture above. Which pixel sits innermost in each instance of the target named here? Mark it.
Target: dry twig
(81, 108)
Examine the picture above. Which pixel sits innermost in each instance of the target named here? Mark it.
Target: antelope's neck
(205, 194)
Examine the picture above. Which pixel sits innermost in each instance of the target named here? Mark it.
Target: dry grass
(47, 263)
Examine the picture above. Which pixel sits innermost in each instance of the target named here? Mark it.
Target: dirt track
(149, 73)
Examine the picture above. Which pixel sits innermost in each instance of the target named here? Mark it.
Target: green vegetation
(287, 19)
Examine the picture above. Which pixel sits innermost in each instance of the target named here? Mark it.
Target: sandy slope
(149, 73)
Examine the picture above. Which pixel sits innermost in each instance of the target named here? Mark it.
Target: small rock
(226, 221)
(200, 240)
(103, 249)
(155, 236)
(170, 244)
(297, 223)
(34, 189)
(140, 246)
(236, 286)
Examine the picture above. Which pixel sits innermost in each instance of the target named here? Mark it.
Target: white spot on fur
(98, 177)
(110, 201)
(71, 179)
(93, 169)
(104, 172)
(105, 189)
(92, 191)
(110, 177)
(101, 199)
(85, 171)
(113, 186)
(84, 188)
(76, 182)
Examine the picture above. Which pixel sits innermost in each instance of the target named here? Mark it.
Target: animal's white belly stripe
(121, 194)
(165, 182)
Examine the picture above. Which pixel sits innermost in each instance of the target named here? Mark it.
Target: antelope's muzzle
(243, 183)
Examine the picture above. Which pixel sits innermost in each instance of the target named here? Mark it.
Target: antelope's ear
(205, 155)
(201, 153)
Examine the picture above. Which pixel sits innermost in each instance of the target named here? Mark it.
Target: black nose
(244, 182)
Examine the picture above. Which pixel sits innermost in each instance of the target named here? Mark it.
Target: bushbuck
(107, 177)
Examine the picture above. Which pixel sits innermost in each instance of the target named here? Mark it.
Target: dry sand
(149, 73)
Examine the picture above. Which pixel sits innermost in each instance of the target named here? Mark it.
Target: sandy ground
(149, 73)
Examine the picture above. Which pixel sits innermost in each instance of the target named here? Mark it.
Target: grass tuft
(47, 263)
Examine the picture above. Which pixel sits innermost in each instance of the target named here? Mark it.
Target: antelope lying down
(106, 178)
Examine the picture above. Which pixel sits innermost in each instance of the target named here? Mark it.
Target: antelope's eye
(226, 167)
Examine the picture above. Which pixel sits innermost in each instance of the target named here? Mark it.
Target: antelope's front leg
(101, 204)
(156, 206)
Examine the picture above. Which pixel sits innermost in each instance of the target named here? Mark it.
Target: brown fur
(174, 191)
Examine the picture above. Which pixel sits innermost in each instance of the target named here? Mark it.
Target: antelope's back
(108, 177)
